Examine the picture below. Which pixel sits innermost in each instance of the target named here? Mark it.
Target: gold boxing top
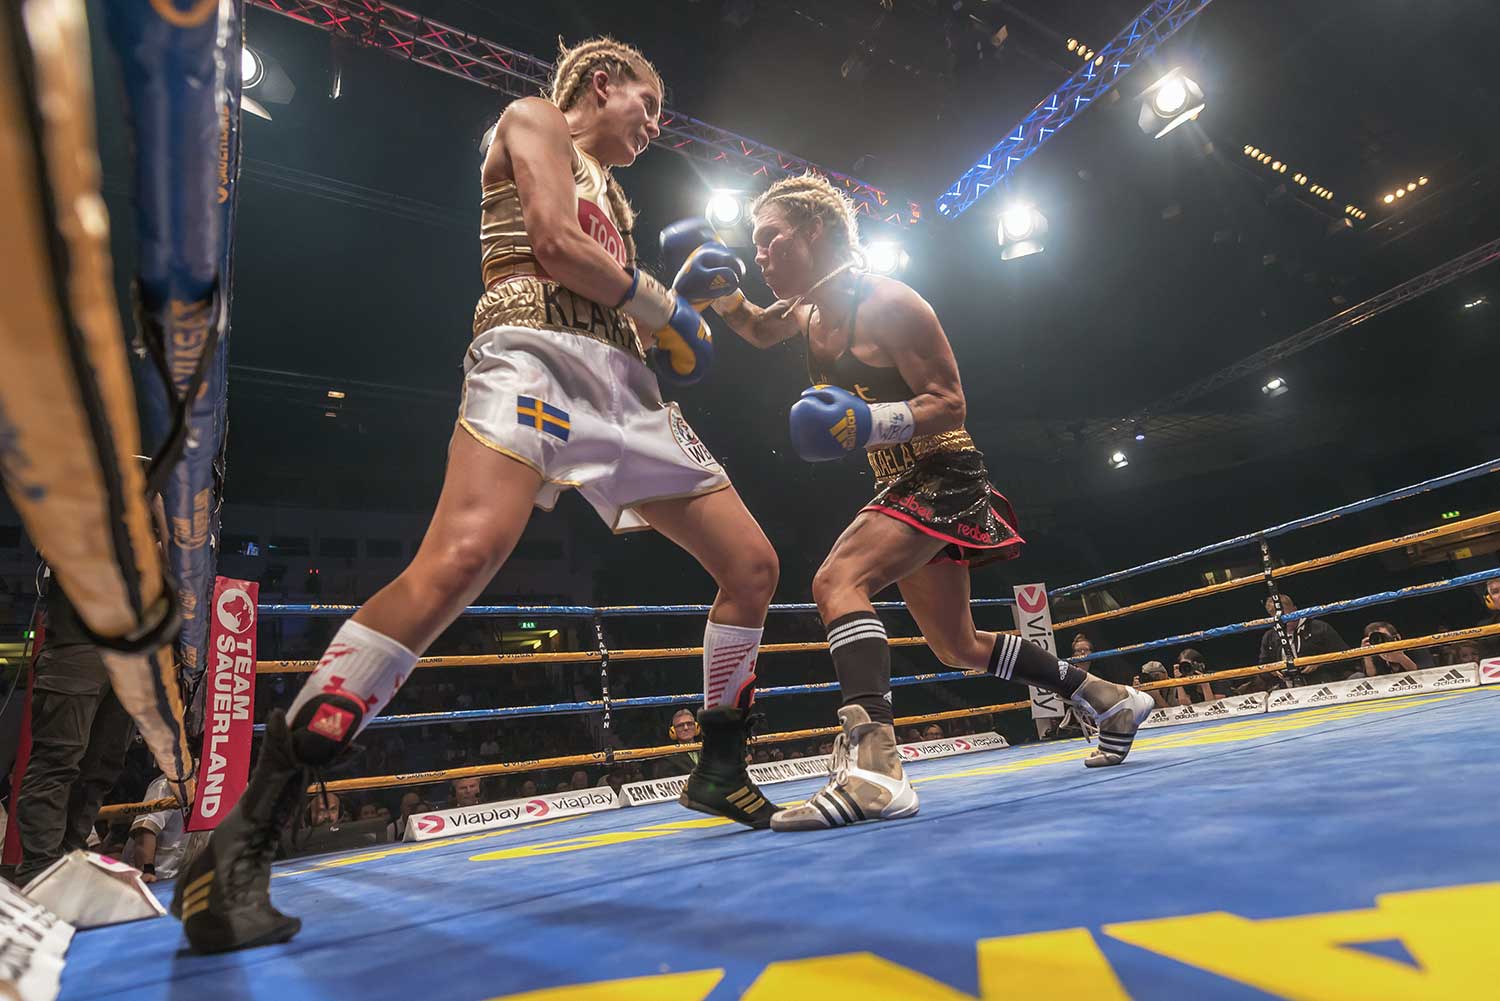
(518, 290)
(889, 463)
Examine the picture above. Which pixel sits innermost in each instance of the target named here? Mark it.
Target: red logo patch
(963, 745)
(331, 722)
(593, 221)
(537, 808)
(430, 825)
(908, 752)
(1032, 598)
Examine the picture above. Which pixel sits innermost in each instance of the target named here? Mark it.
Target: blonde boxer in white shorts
(558, 394)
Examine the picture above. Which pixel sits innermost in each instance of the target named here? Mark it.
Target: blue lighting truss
(1158, 22)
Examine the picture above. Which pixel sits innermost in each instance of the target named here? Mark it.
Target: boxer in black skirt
(885, 381)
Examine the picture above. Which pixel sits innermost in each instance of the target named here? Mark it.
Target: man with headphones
(682, 730)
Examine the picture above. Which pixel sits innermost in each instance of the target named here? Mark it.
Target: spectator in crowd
(528, 789)
(932, 732)
(580, 780)
(369, 811)
(1190, 662)
(1154, 670)
(80, 734)
(489, 748)
(911, 735)
(683, 730)
(1308, 637)
(466, 791)
(324, 809)
(1114, 669)
(563, 786)
(158, 844)
(1388, 663)
(1466, 652)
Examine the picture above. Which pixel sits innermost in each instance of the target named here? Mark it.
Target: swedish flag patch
(534, 413)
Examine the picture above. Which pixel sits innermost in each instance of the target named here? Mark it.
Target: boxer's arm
(762, 327)
(533, 136)
(909, 331)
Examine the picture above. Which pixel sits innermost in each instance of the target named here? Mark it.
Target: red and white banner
(1033, 618)
(1489, 671)
(229, 705)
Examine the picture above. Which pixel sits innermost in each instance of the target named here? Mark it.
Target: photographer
(1189, 663)
(1389, 663)
(1309, 637)
(1155, 670)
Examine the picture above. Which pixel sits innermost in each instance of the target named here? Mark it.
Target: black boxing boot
(223, 897)
(720, 785)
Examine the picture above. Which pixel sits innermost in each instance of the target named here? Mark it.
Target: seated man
(158, 844)
(1308, 637)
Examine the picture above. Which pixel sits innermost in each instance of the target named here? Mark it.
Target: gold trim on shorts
(474, 432)
(540, 304)
(889, 463)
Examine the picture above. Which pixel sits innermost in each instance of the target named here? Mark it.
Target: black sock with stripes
(1015, 659)
(862, 661)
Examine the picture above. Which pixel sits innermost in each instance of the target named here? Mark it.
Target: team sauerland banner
(229, 702)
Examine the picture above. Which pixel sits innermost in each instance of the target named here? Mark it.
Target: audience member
(932, 732)
(466, 791)
(324, 809)
(1190, 662)
(1112, 669)
(1154, 670)
(1308, 638)
(580, 780)
(158, 844)
(1389, 663)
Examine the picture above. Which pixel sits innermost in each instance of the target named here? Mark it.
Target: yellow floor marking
(421, 846)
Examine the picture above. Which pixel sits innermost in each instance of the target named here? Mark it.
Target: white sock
(362, 664)
(728, 663)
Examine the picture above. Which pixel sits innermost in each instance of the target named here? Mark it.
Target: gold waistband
(889, 463)
(528, 301)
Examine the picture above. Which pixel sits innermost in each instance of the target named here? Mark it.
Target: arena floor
(1344, 852)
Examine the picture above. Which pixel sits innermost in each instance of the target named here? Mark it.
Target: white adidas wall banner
(1034, 619)
(491, 816)
(1236, 705)
(1489, 671)
(1385, 686)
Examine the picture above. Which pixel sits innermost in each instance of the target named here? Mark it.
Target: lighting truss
(1158, 22)
(1414, 288)
(414, 38)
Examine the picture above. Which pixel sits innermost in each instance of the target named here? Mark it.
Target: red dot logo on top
(537, 808)
(430, 824)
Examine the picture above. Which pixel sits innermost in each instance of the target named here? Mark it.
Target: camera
(1377, 636)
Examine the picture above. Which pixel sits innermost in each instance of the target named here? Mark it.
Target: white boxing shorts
(584, 415)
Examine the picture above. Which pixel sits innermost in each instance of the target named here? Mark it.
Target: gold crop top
(519, 292)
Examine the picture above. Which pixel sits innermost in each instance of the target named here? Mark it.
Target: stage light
(252, 68)
(725, 208)
(1072, 44)
(1020, 231)
(1140, 437)
(885, 257)
(1400, 192)
(1411, 185)
(1476, 303)
(1118, 460)
(335, 394)
(1421, 180)
(1275, 164)
(1248, 149)
(1276, 387)
(1388, 199)
(1168, 103)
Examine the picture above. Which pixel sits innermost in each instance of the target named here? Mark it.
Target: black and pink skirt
(948, 496)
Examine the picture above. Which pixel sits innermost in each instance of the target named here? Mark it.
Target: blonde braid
(574, 66)
(812, 196)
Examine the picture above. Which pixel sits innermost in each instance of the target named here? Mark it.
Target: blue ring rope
(645, 701)
(1472, 472)
(618, 611)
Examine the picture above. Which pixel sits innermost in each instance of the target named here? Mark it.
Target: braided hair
(574, 67)
(810, 196)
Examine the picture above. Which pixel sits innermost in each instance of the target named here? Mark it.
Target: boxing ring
(1338, 851)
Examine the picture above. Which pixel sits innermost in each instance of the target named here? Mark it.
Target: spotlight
(1168, 103)
(1139, 436)
(1275, 164)
(1118, 460)
(1400, 192)
(1411, 185)
(336, 394)
(1072, 44)
(1476, 303)
(725, 208)
(1276, 387)
(252, 69)
(1388, 199)
(1248, 149)
(1020, 231)
(885, 257)
(1421, 180)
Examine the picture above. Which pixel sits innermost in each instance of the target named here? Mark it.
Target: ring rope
(571, 656)
(119, 810)
(1472, 472)
(1490, 520)
(588, 611)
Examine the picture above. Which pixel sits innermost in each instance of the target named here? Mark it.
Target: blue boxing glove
(679, 345)
(828, 423)
(709, 271)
